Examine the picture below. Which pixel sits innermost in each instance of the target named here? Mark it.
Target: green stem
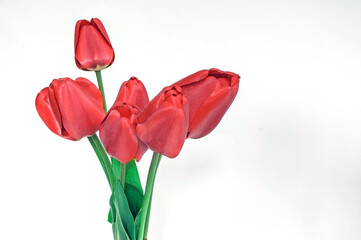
(123, 170)
(147, 219)
(101, 88)
(119, 170)
(116, 167)
(103, 158)
(148, 194)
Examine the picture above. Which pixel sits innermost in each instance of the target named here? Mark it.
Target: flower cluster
(189, 108)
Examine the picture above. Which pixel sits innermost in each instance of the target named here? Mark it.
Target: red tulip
(71, 109)
(209, 93)
(117, 132)
(163, 124)
(93, 50)
(133, 91)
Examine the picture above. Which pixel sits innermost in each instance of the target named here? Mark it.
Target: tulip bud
(71, 109)
(117, 132)
(93, 50)
(163, 124)
(209, 93)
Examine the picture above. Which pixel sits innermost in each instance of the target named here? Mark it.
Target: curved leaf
(123, 213)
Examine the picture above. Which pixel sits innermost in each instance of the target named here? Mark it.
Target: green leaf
(133, 188)
(117, 224)
(112, 212)
(135, 198)
(119, 231)
(132, 175)
(110, 216)
(115, 231)
(137, 223)
(124, 216)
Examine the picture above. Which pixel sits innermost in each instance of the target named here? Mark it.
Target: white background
(284, 163)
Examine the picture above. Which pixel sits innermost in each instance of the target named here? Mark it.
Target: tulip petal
(78, 25)
(197, 93)
(193, 78)
(165, 130)
(49, 114)
(142, 148)
(91, 91)
(118, 136)
(211, 113)
(99, 25)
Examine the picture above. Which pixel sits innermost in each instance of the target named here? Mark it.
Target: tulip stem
(148, 195)
(116, 167)
(103, 158)
(123, 170)
(119, 170)
(101, 88)
(147, 219)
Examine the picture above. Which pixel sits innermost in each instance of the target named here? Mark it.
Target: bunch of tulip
(189, 108)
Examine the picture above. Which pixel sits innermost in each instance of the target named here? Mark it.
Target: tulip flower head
(163, 124)
(209, 93)
(117, 132)
(71, 109)
(93, 50)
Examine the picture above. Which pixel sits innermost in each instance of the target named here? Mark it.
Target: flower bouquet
(74, 109)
